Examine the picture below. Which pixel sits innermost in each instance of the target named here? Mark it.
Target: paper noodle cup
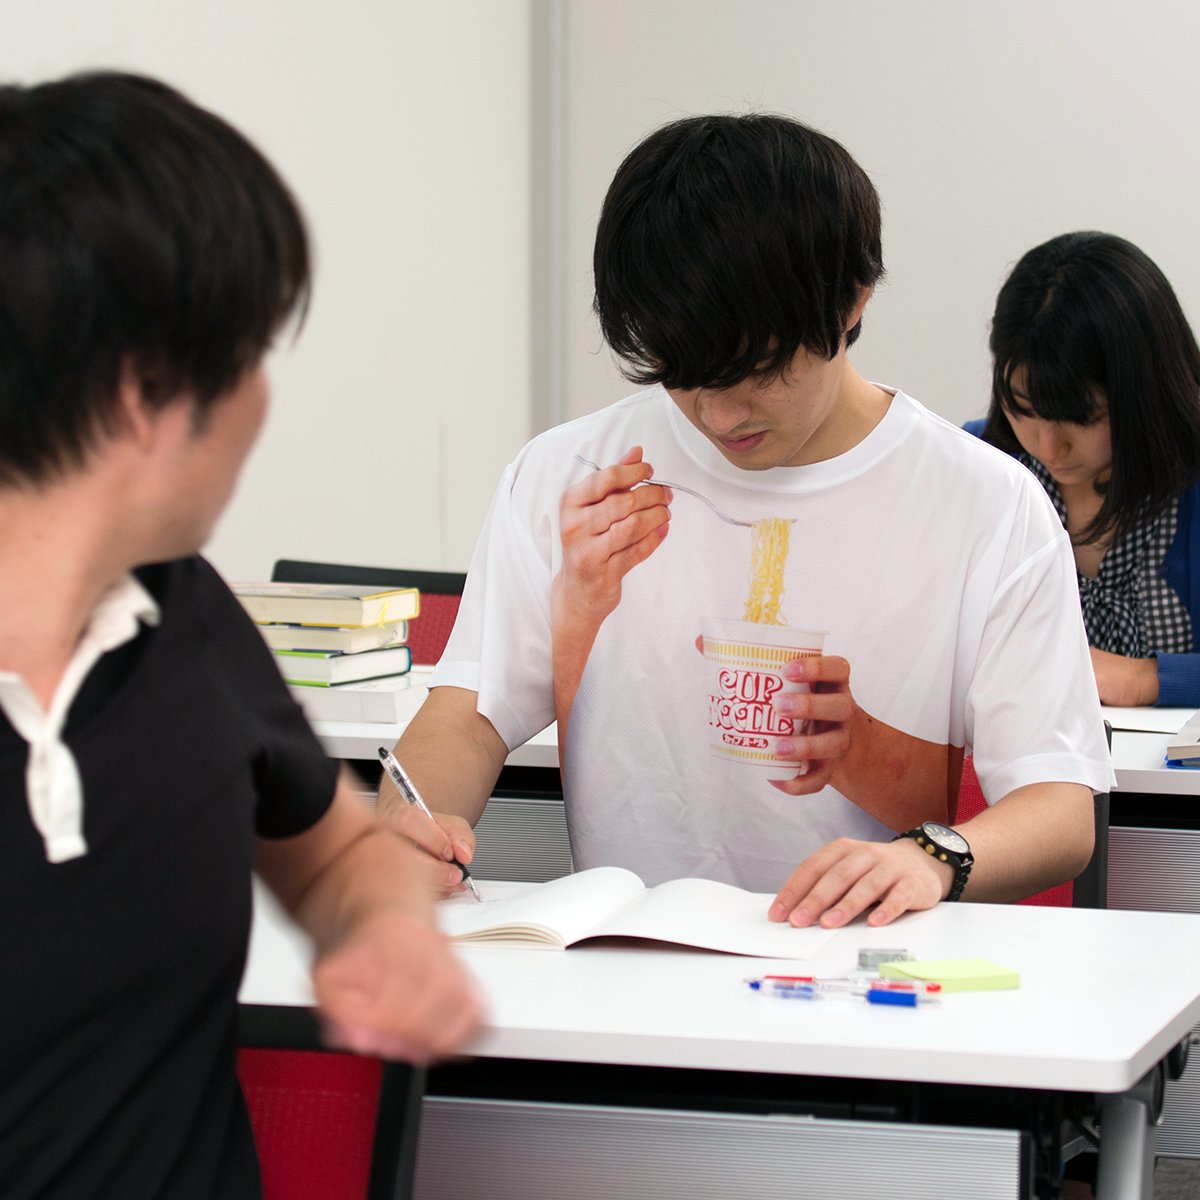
(746, 675)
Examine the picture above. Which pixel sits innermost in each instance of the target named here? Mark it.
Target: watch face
(945, 837)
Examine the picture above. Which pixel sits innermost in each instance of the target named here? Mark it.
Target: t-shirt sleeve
(1033, 711)
(500, 645)
(294, 777)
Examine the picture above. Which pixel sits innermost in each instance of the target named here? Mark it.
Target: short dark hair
(134, 227)
(1089, 312)
(728, 243)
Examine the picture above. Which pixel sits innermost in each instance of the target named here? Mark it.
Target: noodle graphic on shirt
(747, 660)
(768, 557)
(894, 776)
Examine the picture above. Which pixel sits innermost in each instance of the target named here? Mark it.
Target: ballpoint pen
(901, 993)
(409, 791)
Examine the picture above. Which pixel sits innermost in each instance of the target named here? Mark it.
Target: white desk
(1153, 850)
(1072, 1027)
(1139, 760)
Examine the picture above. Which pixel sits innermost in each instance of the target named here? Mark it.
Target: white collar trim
(54, 790)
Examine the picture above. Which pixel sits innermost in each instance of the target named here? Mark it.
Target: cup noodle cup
(746, 675)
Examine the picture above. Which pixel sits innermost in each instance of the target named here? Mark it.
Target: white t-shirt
(931, 561)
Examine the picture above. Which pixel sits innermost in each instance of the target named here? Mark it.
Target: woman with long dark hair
(1096, 388)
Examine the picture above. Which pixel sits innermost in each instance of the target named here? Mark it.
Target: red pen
(904, 985)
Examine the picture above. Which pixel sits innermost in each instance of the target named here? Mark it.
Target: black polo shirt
(121, 968)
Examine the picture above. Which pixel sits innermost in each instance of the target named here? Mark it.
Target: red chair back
(313, 1114)
(429, 631)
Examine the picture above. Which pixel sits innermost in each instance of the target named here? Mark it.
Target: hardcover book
(349, 640)
(328, 668)
(1184, 747)
(391, 700)
(326, 604)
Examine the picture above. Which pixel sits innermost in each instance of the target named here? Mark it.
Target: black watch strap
(962, 863)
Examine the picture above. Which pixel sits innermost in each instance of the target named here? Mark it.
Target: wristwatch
(946, 845)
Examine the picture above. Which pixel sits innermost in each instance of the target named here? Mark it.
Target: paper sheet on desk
(1148, 720)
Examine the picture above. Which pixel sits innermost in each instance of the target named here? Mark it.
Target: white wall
(987, 127)
(407, 131)
(403, 128)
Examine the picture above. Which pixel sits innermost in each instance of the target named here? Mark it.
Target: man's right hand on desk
(444, 838)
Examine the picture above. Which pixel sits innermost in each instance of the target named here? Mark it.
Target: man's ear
(134, 415)
(859, 307)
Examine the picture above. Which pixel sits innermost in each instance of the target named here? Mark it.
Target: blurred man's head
(145, 244)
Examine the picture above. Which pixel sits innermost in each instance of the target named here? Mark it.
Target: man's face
(205, 461)
(788, 421)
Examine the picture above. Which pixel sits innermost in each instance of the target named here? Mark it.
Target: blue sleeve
(1179, 674)
(1179, 680)
(976, 426)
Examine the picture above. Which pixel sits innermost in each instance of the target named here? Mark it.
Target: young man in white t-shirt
(734, 259)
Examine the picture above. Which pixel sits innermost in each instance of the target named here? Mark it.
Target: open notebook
(613, 902)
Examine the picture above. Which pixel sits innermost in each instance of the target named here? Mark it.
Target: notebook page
(556, 913)
(715, 916)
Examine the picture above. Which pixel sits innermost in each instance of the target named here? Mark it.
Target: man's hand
(1125, 682)
(385, 979)
(608, 524)
(821, 717)
(393, 988)
(444, 838)
(846, 877)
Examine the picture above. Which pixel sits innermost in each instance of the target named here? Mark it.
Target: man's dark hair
(726, 244)
(1088, 316)
(136, 229)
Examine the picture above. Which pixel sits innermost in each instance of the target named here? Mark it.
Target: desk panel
(1154, 865)
(539, 1151)
(1158, 870)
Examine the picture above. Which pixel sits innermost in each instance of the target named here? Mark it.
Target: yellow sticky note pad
(955, 974)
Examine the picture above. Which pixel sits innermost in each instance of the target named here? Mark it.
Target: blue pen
(786, 991)
(898, 999)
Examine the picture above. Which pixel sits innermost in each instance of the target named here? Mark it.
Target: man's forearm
(343, 868)
(385, 980)
(452, 754)
(897, 778)
(1034, 838)
(377, 872)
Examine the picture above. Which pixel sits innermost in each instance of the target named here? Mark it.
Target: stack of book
(341, 648)
(1183, 750)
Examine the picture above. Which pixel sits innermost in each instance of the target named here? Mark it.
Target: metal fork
(679, 487)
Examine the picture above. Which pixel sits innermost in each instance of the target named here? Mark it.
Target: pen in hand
(408, 790)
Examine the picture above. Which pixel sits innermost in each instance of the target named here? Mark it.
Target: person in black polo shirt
(150, 755)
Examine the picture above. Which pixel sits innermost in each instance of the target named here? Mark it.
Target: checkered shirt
(1129, 608)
